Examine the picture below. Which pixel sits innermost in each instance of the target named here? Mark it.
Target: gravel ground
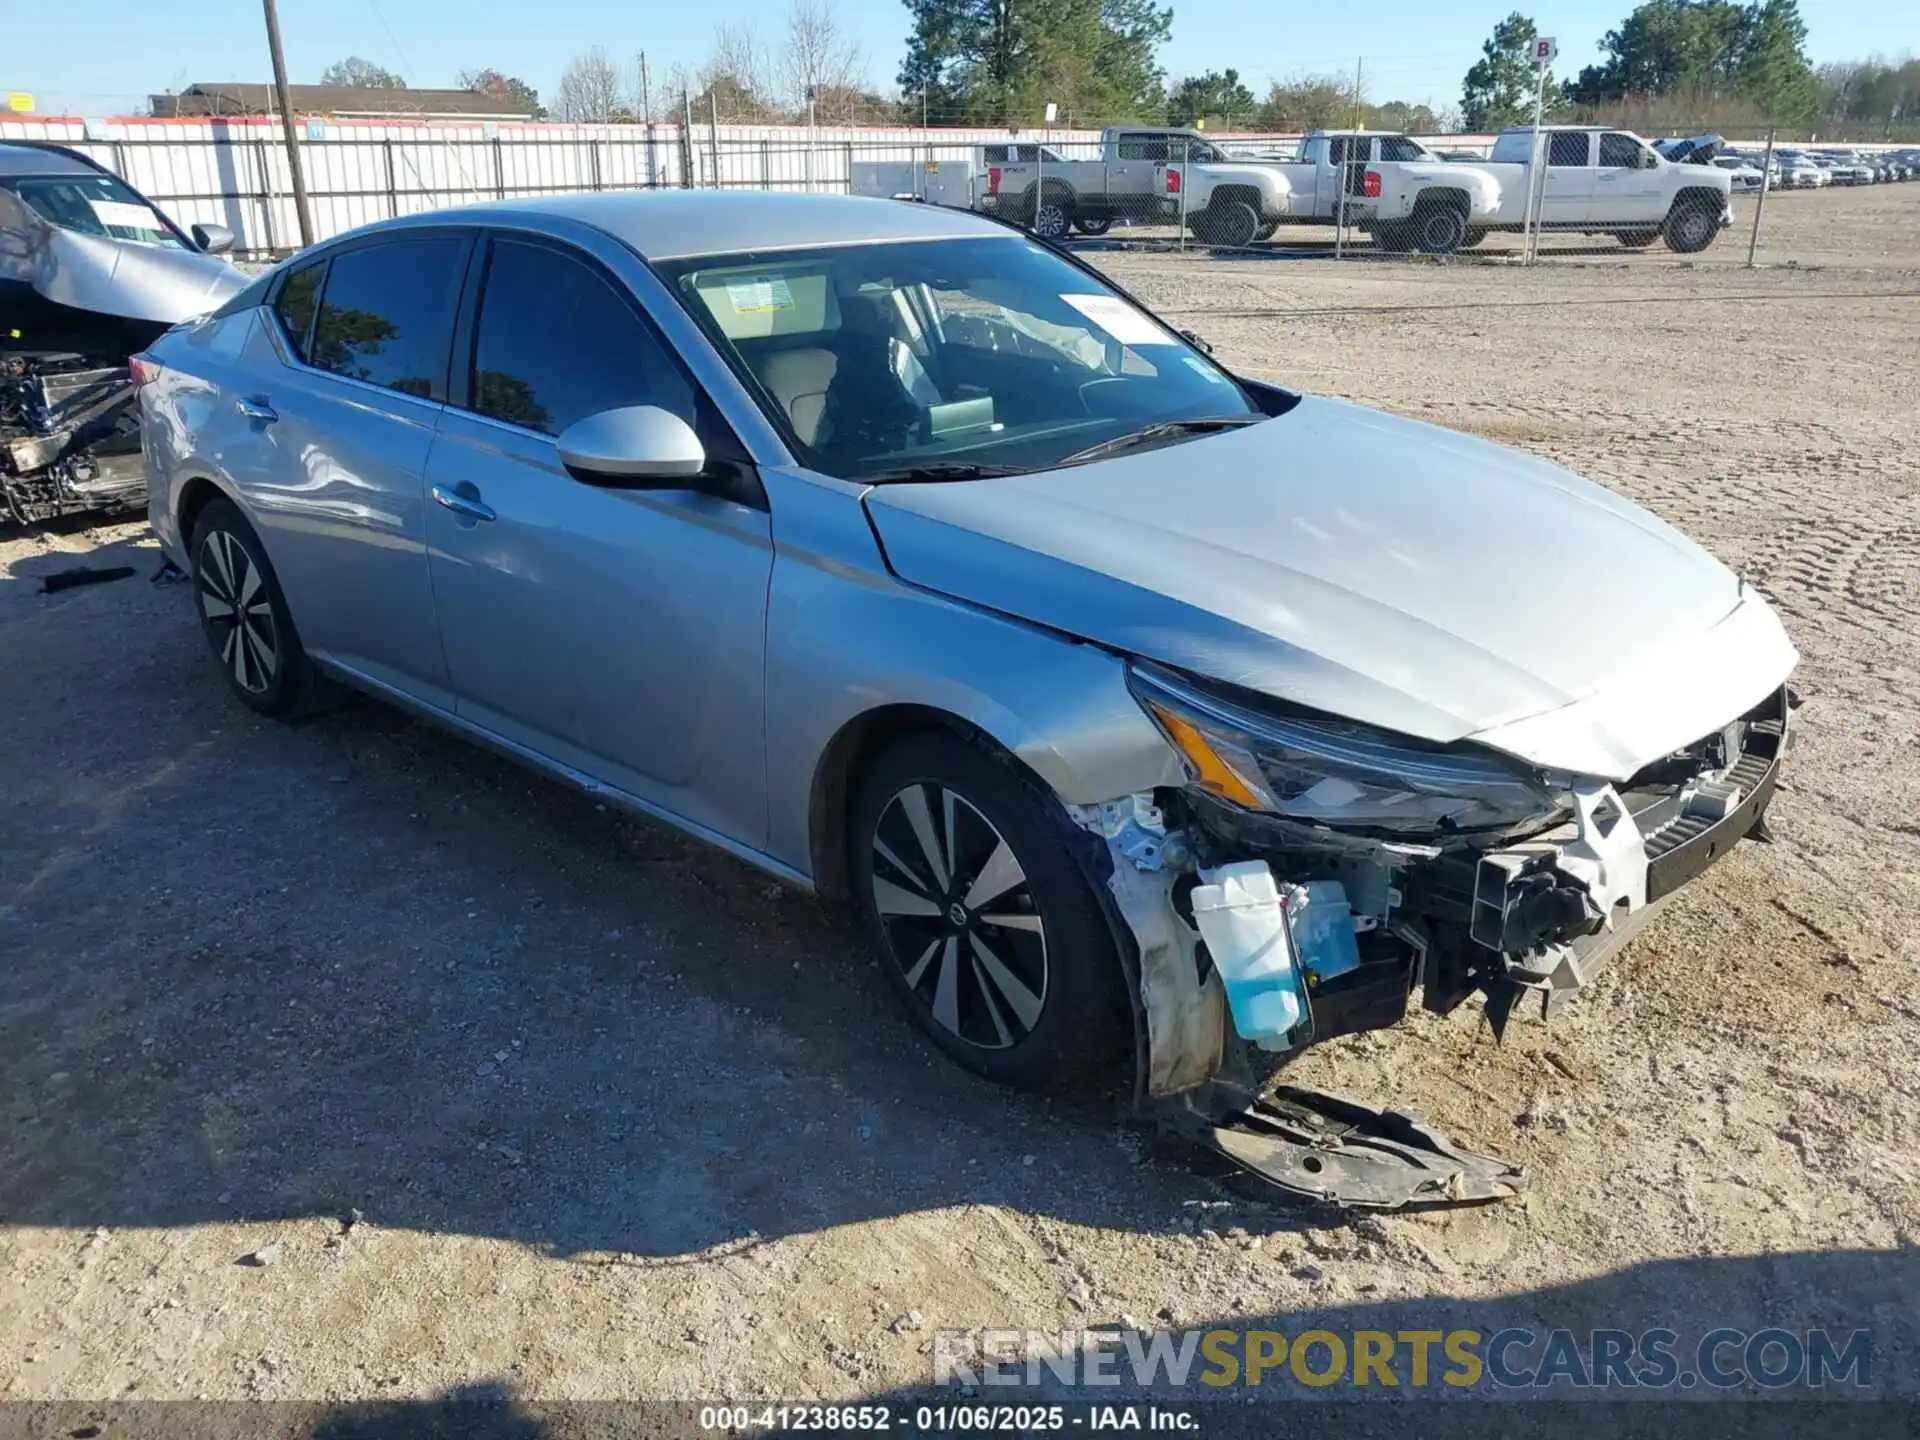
(344, 1062)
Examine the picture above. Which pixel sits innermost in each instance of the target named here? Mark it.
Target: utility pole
(286, 124)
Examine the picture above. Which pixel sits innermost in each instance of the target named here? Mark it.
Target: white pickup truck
(1596, 182)
(1126, 179)
(1219, 212)
(958, 182)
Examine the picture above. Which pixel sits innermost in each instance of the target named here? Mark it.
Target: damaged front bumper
(1510, 921)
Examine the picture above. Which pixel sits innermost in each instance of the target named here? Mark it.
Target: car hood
(122, 278)
(1371, 567)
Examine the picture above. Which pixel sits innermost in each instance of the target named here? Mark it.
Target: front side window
(989, 351)
(1622, 152)
(93, 205)
(386, 313)
(555, 343)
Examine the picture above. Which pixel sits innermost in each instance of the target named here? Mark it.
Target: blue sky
(1413, 50)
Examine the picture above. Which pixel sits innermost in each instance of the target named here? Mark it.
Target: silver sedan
(1139, 708)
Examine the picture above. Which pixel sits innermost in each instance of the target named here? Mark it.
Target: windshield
(877, 360)
(93, 205)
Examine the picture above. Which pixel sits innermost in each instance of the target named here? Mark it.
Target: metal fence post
(1340, 202)
(1039, 186)
(1186, 167)
(499, 171)
(266, 192)
(1760, 205)
(393, 188)
(713, 137)
(593, 161)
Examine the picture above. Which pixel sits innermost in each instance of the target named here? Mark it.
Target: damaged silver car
(1143, 711)
(90, 272)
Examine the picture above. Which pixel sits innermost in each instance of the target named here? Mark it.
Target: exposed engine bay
(1256, 931)
(90, 274)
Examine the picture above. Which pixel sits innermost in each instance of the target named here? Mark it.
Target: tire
(243, 614)
(1691, 225)
(1394, 237)
(1265, 232)
(1022, 987)
(1637, 239)
(1050, 214)
(1093, 224)
(1231, 223)
(1439, 228)
(1475, 234)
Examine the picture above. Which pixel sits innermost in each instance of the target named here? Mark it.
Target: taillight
(1173, 182)
(993, 179)
(144, 371)
(1370, 186)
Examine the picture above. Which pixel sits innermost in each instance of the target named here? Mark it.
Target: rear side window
(555, 343)
(1143, 147)
(1567, 148)
(1398, 147)
(386, 314)
(298, 292)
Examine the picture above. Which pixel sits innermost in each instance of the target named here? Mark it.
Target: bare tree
(590, 88)
(821, 58)
(736, 77)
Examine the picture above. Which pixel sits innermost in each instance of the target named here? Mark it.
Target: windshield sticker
(761, 295)
(1119, 319)
(126, 217)
(1205, 371)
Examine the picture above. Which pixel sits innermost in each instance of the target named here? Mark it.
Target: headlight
(1331, 772)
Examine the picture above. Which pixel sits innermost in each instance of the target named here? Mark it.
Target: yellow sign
(20, 102)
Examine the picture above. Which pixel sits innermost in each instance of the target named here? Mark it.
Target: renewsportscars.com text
(1774, 1358)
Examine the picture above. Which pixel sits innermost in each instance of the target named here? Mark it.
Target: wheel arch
(852, 748)
(196, 492)
(1450, 195)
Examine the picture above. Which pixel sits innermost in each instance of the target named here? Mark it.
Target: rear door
(1629, 182)
(334, 461)
(618, 632)
(1567, 193)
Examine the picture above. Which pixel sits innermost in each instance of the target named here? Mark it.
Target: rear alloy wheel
(1691, 226)
(1439, 229)
(1230, 224)
(1052, 218)
(985, 924)
(244, 615)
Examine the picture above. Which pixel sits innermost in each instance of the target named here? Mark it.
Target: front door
(1627, 181)
(618, 632)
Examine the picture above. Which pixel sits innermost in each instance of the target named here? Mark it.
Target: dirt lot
(619, 1117)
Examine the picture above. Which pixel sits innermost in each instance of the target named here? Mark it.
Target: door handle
(462, 499)
(255, 407)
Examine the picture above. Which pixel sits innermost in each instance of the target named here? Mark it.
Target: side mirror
(214, 239)
(638, 447)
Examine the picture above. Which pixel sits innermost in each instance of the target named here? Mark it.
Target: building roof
(353, 100)
(676, 224)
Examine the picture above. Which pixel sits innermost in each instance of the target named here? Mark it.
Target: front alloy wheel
(959, 917)
(970, 879)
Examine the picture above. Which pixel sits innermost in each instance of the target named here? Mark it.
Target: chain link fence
(1756, 197)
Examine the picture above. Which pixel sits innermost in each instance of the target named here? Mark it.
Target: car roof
(675, 224)
(19, 159)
